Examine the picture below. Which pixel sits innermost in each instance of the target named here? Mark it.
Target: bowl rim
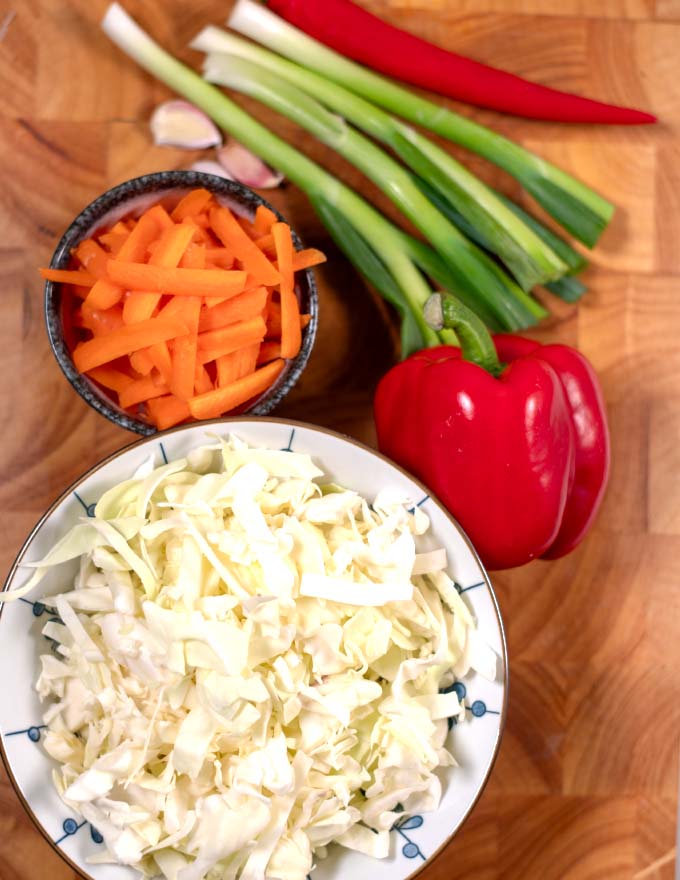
(293, 423)
(161, 181)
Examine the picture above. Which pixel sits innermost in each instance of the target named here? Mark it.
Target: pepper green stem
(443, 311)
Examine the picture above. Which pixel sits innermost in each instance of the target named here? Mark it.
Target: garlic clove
(207, 166)
(247, 168)
(180, 124)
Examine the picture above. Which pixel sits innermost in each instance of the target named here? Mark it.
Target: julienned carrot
(110, 377)
(179, 269)
(184, 350)
(236, 365)
(194, 257)
(307, 258)
(246, 305)
(79, 277)
(268, 351)
(249, 331)
(124, 340)
(193, 202)
(274, 321)
(220, 256)
(208, 355)
(103, 294)
(264, 220)
(215, 403)
(160, 215)
(141, 362)
(165, 412)
(291, 335)
(113, 241)
(135, 247)
(100, 322)
(232, 235)
(202, 381)
(179, 282)
(92, 257)
(171, 246)
(141, 390)
(266, 245)
(160, 358)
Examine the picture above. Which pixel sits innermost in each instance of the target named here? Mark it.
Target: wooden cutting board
(587, 779)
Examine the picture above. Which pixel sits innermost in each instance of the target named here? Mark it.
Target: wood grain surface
(586, 783)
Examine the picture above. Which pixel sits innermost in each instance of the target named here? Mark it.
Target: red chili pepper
(518, 453)
(354, 32)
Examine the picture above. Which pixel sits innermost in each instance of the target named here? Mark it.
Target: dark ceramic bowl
(134, 196)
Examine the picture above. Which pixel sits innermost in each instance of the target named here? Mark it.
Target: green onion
(323, 189)
(474, 270)
(567, 288)
(369, 264)
(531, 260)
(575, 261)
(575, 206)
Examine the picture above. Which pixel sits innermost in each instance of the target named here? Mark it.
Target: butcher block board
(586, 783)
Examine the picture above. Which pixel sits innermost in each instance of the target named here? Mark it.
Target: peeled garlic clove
(247, 168)
(180, 124)
(206, 166)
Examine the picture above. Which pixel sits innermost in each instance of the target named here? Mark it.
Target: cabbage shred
(247, 668)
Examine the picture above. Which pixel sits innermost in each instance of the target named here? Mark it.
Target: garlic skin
(247, 168)
(181, 124)
(208, 166)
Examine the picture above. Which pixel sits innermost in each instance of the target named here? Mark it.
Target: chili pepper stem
(443, 311)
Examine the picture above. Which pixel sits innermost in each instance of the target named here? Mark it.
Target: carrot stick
(274, 320)
(202, 381)
(194, 257)
(124, 341)
(167, 411)
(232, 235)
(135, 247)
(160, 358)
(222, 257)
(215, 403)
(264, 220)
(207, 355)
(161, 216)
(291, 336)
(172, 246)
(68, 276)
(110, 377)
(307, 258)
(170, 249)
(181, 282)
(192, 203)
(92, 257)
(103, 295)
(100, 322)
(266, 245)
(268, 351)
(141, 362)
(304, 321)
(184, 350)
(140, 390)
(246, 305)
(113, 241)
(236, 365)
(249, 330)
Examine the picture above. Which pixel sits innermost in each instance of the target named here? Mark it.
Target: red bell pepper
(512, 437)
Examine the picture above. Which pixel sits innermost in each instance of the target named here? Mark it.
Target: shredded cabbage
(249, 667)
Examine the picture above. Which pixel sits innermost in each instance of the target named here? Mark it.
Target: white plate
(473, 742)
